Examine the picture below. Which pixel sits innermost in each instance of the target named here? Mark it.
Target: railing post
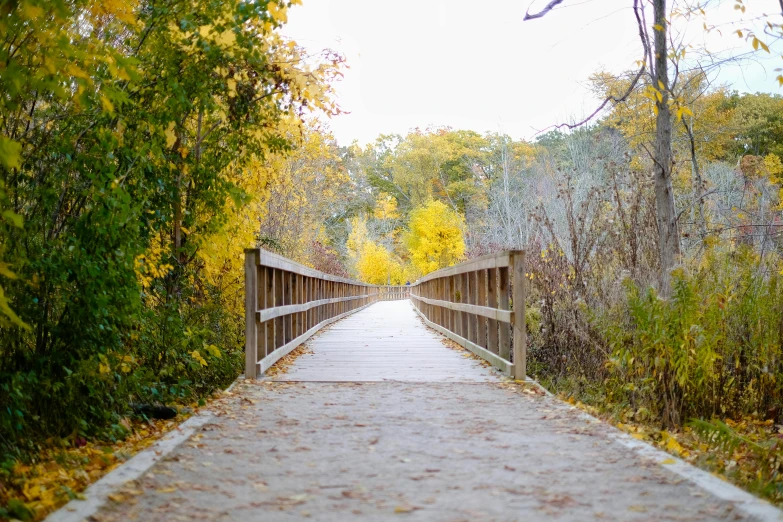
(492, 297)
(504, 343)
(251, 306)
(518, 320)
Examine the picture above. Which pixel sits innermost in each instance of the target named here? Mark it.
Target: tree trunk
(666, 214)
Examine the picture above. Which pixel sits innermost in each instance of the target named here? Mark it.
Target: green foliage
(713, 349)
(758, 120)
(720, 436)
(124, 127)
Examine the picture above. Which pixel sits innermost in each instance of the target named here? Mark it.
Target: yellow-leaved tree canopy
(377, 266)
(435, 237)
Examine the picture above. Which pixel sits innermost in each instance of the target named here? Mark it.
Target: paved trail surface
(464, 446)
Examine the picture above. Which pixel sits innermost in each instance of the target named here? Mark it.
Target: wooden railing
(393, 293)
(471, 303)
(286, 303)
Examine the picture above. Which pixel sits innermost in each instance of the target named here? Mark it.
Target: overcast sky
(477, 65)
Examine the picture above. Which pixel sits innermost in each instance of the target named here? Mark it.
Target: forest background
(144, 146)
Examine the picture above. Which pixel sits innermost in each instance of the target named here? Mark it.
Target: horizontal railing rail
(286, 303)
(480, 304)
(393, 293)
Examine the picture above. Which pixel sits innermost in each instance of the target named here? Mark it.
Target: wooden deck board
(385, 342)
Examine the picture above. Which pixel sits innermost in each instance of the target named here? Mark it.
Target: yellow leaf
(668, 461)
(108, 106)
(671, 443)
(658, 27)
(78, 72)
(171, 137)
(198, 357)
(277, 12)
(10, 153)
(226, 38)
(32, 12)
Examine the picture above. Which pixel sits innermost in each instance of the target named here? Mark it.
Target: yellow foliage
(150, 266)
(222, 252)
(213, 350)
(773, 167)
(377, 266)
(435, 237)
(386, 206)
(57, 474)
(308, 184)
(356, 238)
(294, 189)
(198, 357)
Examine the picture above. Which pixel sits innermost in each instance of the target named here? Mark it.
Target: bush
(713, 349)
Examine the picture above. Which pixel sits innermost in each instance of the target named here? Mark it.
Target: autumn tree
(308, 186)
(435, 237)
(131, 135)
(442, 163)
(655, 67)
(377, 266)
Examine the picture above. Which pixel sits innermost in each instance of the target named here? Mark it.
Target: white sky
(476, 65)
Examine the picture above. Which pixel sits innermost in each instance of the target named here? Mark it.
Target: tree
(666, 213)
(441, 163)
(655, 60)
(434, 238)
(377, 266)
(130, 136)
(309, 186)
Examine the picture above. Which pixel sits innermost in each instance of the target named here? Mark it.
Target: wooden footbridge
(379, 420)
(478, 304)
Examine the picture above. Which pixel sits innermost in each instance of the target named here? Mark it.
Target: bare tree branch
(551, 5)
(631, 87)
(608, 99)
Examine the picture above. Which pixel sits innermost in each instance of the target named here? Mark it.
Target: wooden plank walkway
(385, 342)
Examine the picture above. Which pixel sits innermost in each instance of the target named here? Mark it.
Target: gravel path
(394, 451)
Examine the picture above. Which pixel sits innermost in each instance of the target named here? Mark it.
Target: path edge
(97, 494)
(715, 485)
